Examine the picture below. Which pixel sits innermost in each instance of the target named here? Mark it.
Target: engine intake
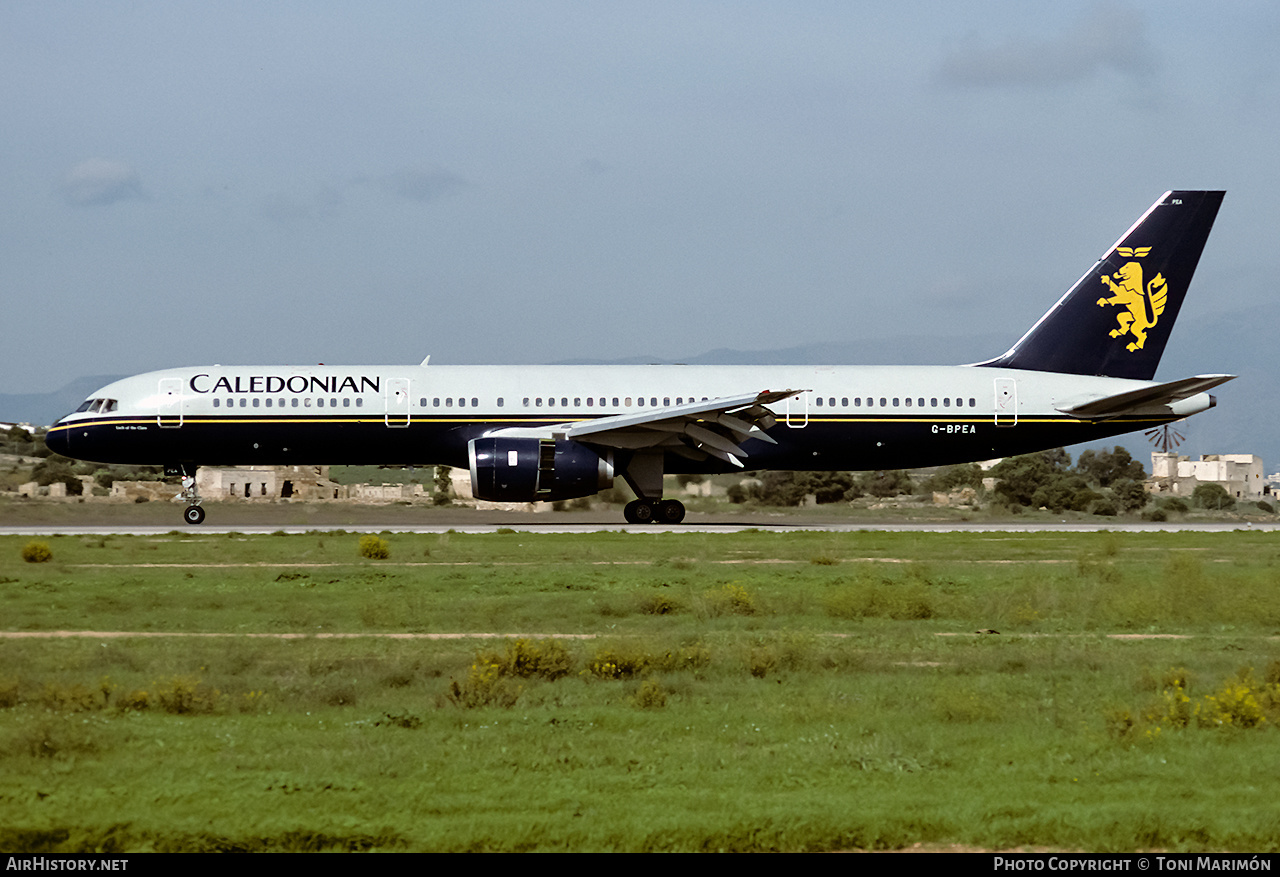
(536, 470)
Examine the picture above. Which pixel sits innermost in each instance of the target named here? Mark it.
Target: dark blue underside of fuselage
(839, 443)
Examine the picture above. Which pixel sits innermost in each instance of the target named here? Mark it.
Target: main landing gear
(193, 514)
(648, 511)
(644, 475)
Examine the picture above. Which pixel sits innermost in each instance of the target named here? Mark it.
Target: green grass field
(749, 691)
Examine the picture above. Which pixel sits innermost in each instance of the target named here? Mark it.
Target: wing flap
(716, 427)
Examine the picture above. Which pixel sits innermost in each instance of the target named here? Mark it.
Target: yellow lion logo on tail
(1143, 307)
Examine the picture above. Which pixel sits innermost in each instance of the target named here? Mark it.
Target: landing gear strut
(193, 514)
(648, 511)
(644, 475)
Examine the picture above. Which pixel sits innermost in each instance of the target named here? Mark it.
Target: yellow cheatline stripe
(375, 419)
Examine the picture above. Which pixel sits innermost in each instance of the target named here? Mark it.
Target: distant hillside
(897, 350)
(42, 409)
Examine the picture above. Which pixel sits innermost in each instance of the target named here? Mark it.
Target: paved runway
(533, 526)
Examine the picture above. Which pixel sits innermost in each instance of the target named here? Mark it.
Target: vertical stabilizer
(1116, 320)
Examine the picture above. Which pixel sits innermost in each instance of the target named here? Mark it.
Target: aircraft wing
(716, 427)
(1103, 407)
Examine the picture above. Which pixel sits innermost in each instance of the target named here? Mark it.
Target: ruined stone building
(1241, 475)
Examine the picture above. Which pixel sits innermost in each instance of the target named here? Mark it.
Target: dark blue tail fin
(1116, 319)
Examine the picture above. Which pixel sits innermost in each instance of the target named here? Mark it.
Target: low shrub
(9, 691)
(650, 695)
(883, 598)
(618, 662)
(659, 604)
(73, 698)
(485, 685)
(1240, 702)
(524, 658)
(37, 552)
(732, 599)
(374, 547)
(186, 695)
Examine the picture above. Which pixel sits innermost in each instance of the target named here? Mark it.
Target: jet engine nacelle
(536, 470)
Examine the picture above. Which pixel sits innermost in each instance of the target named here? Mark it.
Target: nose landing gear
(193, 514)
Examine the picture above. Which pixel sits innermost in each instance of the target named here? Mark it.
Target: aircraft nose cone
(58, 440)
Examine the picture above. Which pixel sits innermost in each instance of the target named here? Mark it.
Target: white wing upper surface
(715, 427)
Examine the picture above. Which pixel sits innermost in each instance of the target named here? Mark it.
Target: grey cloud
(101, 181)
(1109, 36)
(423, 186)
(296, 205)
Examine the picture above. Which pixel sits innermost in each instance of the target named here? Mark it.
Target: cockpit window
(84, 406)
(111, 405)
(96, 406)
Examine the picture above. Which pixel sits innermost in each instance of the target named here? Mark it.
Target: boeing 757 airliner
(1084, 371)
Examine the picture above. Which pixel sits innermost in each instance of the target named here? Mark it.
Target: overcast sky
(189, 183)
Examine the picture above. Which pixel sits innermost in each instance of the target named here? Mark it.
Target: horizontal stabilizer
(1101, 408)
